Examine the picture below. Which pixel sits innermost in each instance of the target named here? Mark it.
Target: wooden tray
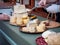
(53, 24)
(14, 24)
(31, 32)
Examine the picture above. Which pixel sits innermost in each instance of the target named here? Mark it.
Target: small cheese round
(25, 21)
(40, 29)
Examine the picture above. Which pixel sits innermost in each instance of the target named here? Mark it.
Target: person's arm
(42, 2)
(51, 1)
(4, 17)
(45, 2)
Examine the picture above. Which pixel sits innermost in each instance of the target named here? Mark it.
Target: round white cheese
(46, 33)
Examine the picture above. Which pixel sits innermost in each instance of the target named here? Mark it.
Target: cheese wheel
(25, 21)
(19, 21)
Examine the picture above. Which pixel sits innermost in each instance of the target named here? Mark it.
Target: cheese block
(25, 29)
(53, 39)
(25, 21)
(31, 25)
(41, 28)
(19, 21)
(35, 21)
(31, 29)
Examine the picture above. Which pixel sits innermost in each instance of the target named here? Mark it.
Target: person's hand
(42, 3)
(4, 17)
(45, 2)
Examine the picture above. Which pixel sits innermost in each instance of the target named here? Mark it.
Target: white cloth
(54, 8)
(6, 11)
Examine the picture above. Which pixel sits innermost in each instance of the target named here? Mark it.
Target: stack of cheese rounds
(19, 16)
